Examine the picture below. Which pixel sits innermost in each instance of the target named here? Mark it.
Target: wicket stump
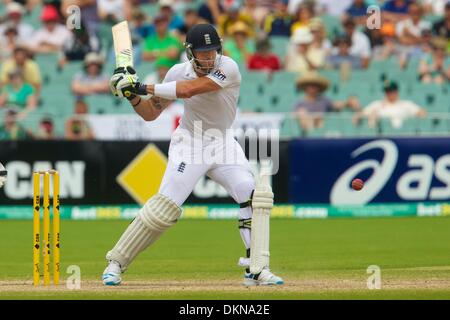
(47, 239)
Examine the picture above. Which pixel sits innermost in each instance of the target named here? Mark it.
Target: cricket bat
(123, 48)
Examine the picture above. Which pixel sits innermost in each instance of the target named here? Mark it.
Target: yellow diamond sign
(142, 177)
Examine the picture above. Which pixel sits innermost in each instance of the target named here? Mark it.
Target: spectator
(435, 7)
(8, 42)
(158, 75)
(77, 127)
(29, 68)
(409, 30)
(395, 10)
(18, 94)
(322, 7)
(14, 13)
(162, 47)
(113, 11)
(79, 45)
(264, 59)
(302, 57)
(311, 109)
(343, 55)
(442, 27)
(280, 22)
(391, 107)
(358, 11)
(166, 9)
(52, 36)
(320, 40)
(360, 42)
(210, 11)
(139, 25)
(91, 81)
(435, 67)
(46, 129)
(239, 47)
(331, 7)
(255, 11)
(384, 42)
(232, 16)
(11, 129)
(89, 13)
(304, 14)
(191, 18)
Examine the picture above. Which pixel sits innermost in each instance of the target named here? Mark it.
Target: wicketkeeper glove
(125, 83)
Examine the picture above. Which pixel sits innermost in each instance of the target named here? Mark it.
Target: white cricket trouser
(230, 169)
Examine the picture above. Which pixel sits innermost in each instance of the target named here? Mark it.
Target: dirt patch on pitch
(179, 286)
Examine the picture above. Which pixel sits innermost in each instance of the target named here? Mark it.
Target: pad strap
(245, 223)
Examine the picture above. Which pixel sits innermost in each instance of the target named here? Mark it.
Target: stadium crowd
(319, 39)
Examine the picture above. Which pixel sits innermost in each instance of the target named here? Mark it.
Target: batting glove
(125, 83)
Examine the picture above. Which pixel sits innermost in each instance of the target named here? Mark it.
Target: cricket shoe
(264, 278)
(111, 275)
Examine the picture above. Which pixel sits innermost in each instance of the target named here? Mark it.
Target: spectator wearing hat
(280, 22)
(435, 67)
(18, 94)
(239, 47)
(391, 107)
(311, 109)
(263, 59)
(395, 10)
(162, 47)
(360, 42)
(77, 127)
(14, 14)
(29, 68)
(11, 129)
(52, 36)
(442, 27)
(302, 57)
(343, 55)
(91, 81)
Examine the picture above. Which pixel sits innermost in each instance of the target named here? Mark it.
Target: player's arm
(182, 89)
(149, 109)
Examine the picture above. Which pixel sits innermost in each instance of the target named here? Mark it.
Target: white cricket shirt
(216, 109)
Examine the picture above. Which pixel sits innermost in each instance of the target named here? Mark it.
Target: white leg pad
(262, 204)
(157, 215)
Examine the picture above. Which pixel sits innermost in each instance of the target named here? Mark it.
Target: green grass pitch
(197, 259)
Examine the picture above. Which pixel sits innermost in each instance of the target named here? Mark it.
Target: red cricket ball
(357, 184)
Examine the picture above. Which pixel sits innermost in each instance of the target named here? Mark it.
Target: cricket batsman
(209, 84)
